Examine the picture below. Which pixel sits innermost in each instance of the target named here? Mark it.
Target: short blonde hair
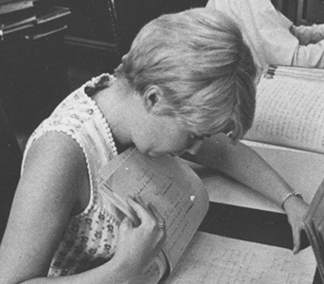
(199, 60)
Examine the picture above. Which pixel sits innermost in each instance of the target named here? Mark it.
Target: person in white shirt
(273, 38)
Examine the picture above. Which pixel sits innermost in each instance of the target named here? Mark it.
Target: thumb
(125, 225)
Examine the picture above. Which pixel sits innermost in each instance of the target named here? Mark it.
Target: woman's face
(156, 134)
(164, 135)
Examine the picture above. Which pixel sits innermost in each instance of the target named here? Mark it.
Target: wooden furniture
(131, 15)
(101, 31)
(34, 67)
(33, 81)
(91, 39)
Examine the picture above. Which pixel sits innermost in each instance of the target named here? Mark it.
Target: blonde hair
(199, 60)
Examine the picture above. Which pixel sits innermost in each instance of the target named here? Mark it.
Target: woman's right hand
(138, 245)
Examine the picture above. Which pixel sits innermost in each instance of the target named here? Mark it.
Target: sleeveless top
(90, 237)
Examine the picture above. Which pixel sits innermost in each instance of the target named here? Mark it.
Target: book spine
(9, 7)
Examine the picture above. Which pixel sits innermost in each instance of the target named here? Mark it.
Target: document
(211, 259)
(290, 109)
(171, 186)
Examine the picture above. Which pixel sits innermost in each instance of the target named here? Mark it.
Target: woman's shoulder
(77, 110)
(53, 148)
(53, 166)
(69, 118)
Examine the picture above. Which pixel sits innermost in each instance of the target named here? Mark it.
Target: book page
(289, 112)
(303, 73)
(152, 273)
(169, 184)
(212, 259)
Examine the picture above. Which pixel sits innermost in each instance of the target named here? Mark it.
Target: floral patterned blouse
(90, 237)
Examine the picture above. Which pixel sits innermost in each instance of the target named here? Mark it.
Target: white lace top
(90, 237)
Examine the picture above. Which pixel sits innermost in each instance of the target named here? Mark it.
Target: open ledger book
(290, 109)
(172, 187)
(290, 116)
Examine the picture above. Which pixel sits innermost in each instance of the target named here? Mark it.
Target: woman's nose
(193, 150)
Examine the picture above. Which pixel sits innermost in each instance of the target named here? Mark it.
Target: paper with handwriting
(212, 259)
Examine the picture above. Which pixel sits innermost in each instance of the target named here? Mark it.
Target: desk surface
(252, 225)
(240, 213)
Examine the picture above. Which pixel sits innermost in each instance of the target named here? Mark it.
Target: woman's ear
(153, 98)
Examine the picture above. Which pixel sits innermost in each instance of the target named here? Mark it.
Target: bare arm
(47, 194)
(245, 165)
(45, 198)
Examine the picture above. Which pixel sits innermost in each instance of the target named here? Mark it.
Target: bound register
(290, 109)
(172, 187)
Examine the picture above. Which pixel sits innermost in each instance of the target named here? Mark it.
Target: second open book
(290, 109)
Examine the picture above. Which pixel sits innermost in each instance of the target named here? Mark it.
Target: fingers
(124, 228)
(295, 217)
(160, 221)
(296, 239)
(140, 209)
(125, 224)
(156, 214)
(148, 214)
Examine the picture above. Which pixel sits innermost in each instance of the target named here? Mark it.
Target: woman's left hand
(296, 208)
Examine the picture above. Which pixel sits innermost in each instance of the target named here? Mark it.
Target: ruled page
(289, 112)
(169, 184)
(212, 259)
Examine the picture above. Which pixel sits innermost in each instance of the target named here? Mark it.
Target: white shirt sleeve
(308, 34)
(311, 55)
(265, 30)
(272, 37)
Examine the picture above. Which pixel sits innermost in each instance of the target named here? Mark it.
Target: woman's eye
(197, 137)
(229, 134)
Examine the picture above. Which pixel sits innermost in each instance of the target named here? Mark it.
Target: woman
(187, 77)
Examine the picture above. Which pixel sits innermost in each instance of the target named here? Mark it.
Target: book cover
(314, 226)
(18, 20)
(50, 20)
(170, 185)
(8, 6)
